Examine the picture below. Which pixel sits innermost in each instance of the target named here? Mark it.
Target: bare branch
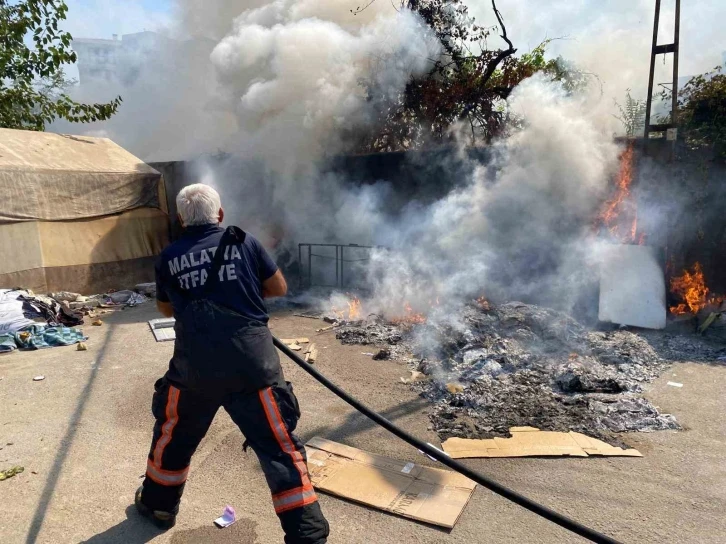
(503, 54)
(357, 10)
(504, 29)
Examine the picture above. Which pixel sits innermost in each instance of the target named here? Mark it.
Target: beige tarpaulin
(88, 256)
(54, 177)
(36, 244)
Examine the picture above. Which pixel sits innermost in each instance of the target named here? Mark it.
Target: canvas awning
(56, 177)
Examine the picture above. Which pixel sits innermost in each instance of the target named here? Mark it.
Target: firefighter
(213, 281)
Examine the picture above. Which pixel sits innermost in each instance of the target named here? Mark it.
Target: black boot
(163, 520)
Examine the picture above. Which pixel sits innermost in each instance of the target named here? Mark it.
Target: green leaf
(32, 80)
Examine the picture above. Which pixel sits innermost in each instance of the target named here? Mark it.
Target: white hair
(198, 204)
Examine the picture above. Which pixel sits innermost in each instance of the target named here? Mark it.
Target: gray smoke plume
(274, 84)
(522, 226)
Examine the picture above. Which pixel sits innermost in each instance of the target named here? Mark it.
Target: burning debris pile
(524, 365)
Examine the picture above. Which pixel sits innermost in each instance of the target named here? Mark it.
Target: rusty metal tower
(669, 48)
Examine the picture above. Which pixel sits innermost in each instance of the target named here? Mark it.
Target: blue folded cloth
(7, 343)
(42, 336)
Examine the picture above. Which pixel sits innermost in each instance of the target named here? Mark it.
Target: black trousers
(267, 418)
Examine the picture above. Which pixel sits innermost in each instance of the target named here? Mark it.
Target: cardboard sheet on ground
(531, 442)
(406, 489)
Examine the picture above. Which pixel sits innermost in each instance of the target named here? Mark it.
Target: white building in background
(117, 60)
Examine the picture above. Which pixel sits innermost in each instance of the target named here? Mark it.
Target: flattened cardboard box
(425, 494)
(531, 442)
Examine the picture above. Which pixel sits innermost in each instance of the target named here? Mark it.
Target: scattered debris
(431, 495)
(124, 298)
(369, 354)
(294, 347)
(309, 316)
(416, 376)
(531, 442)
(290, 341)
(374, 332)
(708, 322)
(516, 365)
(97, 323)
(146, 289)
(324, 329)
(38, 378)
(311, 355)
(675, 384)
(85, 304)
(81, 346)
(227, 518)
(454, 388)
(10, 472)
(163, 329)
(382, 355)
(65, 296)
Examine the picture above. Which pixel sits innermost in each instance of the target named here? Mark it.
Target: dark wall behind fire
(422, 176)
(681, 202)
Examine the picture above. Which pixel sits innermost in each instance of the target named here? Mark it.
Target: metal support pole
(337, 272)
(342, 264)
(310, 266)
(676, 41)
(676, 47)
(649, 99)
(299, 265)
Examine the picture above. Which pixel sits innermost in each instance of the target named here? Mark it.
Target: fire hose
(521, 500)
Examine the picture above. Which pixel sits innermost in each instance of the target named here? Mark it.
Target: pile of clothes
(29, 321)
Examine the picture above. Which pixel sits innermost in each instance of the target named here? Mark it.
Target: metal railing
(306, 278)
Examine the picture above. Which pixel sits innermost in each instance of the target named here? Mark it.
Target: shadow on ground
(65, 446)
(133, 530)
(136, 529)
(356, 423)
(244, 530)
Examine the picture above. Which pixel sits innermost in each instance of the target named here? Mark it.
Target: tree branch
(504, 29)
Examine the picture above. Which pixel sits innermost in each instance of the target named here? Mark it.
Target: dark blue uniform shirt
(186, 263)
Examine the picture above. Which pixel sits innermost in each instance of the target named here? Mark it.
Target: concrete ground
(83, 434)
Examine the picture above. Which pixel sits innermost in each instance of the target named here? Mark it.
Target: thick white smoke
(274, 85)
(522, 227)
(292, 72)
(277, 84)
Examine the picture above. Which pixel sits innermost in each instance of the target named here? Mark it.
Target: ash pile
(524, 365)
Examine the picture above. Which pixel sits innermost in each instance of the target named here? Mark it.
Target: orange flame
(409, 317)
(615, 215)
(355, 310)
(691, 288)
(483, 303)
